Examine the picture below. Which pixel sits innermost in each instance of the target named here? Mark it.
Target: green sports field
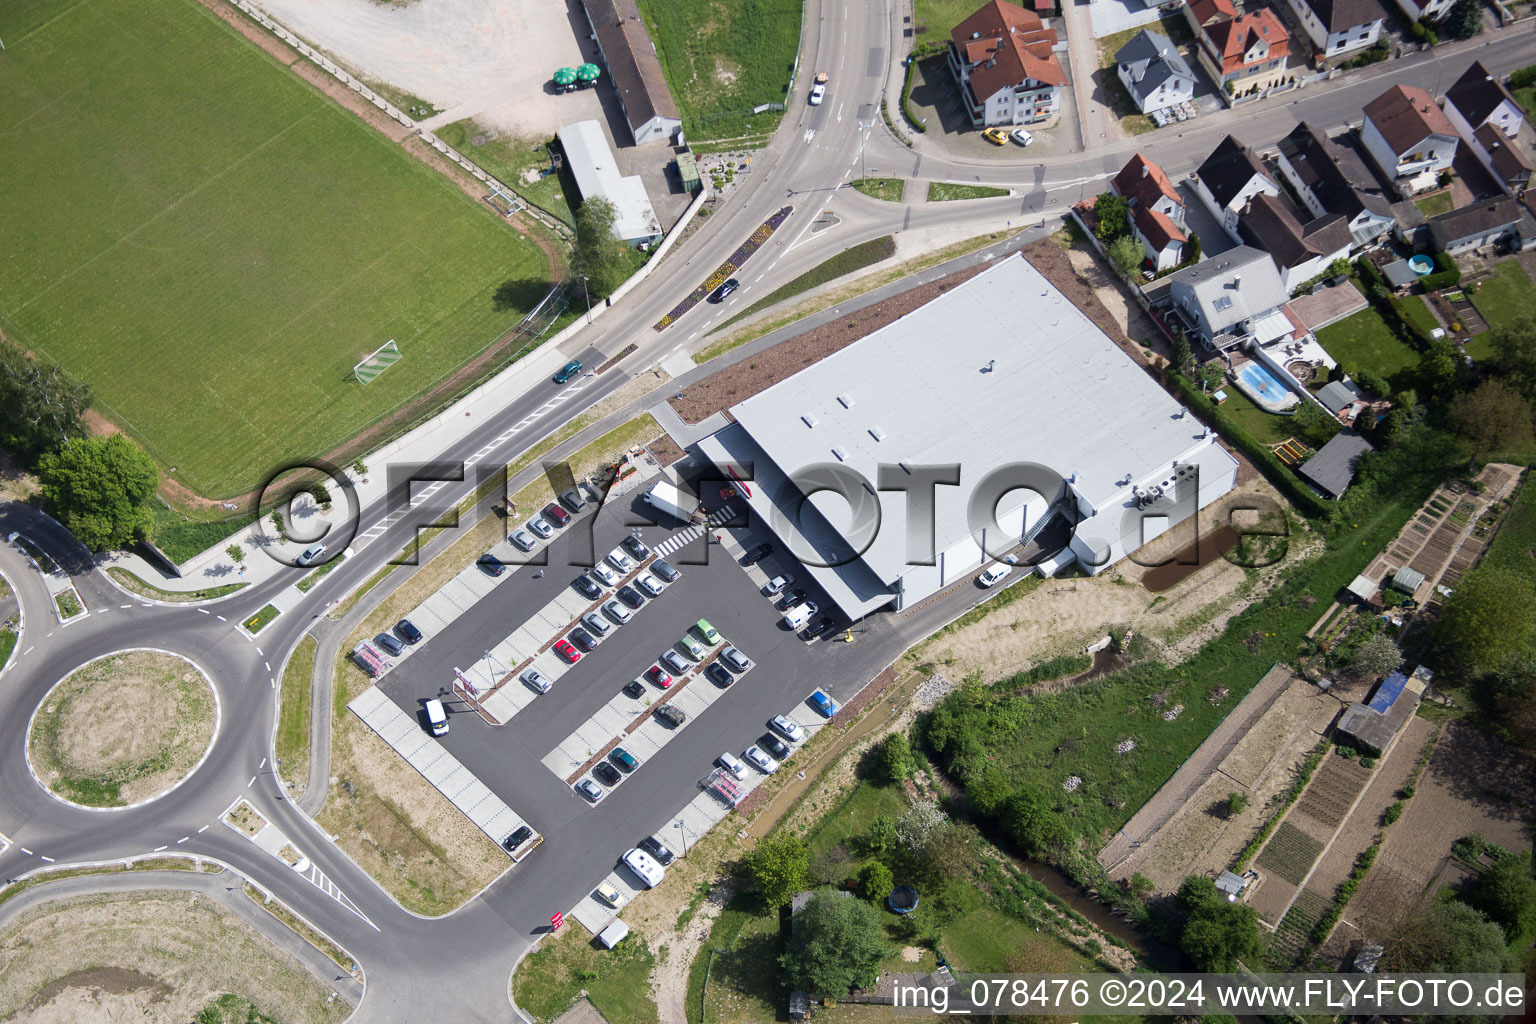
(212, 244)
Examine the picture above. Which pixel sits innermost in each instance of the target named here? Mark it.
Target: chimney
(1237, 279)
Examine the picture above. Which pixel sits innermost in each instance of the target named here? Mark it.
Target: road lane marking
(268, 665)
(262, 765)
(222, 619)
(203, 611)
(50, 859)
(182, 840)
(202, 830)
(157, 849)
(248, 785)
(125, 606)
(26, 851)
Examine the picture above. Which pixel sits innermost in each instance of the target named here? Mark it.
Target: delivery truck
(666, 498)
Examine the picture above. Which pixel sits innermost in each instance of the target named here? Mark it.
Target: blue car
(568, 371)
(823, 704)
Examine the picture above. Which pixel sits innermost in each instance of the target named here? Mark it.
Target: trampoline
(903, 899)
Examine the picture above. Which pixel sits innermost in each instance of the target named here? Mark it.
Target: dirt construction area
(152, 957)
(486, 59)
(123, 728)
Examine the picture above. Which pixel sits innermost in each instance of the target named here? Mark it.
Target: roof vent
(975, 35)
(840, 452)
(906, 467)
(876, 433)
(845, 400)
(810, 420)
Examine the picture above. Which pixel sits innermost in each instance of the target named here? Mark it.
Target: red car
(556, 514)
(655, 674)
(566, 651)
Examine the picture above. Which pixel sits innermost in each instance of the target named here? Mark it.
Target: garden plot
(1290, 853)
(1332, 792)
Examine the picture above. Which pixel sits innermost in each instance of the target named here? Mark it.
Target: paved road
(408, 958)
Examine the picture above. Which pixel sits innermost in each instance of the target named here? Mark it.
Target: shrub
(1235, 803)
(1392, 813)
(893, 760)
(1523, 77)
(875, 881)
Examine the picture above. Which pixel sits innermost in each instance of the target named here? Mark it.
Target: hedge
(1447, 274)
(906, 99)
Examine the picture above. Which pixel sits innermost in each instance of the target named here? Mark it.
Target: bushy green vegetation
(553, 976)
(233, 242)
(846, 262)
(722, 60)
(947, 191)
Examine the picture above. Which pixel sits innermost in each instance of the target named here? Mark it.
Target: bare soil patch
(156, 957)
(123, 728)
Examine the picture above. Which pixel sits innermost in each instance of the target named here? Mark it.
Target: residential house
(1477, 98)
(626, 49)
(1230, 177)
(1246, 54)
(1300, 251)
(1502, 157)
(1154, 72)
(1201, 14)
(1426, 10)
(1501, 222)
(1409, 137)
(1232, 299)
(1338, 27)
(1332, 178)
(1332, 469)
(1002, 58)
(1157, 211)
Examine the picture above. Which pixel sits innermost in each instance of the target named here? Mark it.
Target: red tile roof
(1233, 39)
(1207, 11)
(1156, 228)
(1004, 45)
(1406, 116)
(1143, 181)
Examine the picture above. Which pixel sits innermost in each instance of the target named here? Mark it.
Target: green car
(693, 647)
(709, 633)
(623, 758)
(568, 371)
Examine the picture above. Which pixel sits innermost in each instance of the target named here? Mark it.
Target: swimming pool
(1262, 383)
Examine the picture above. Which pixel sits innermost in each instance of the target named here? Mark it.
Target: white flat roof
(1001, 369)
(596, 172)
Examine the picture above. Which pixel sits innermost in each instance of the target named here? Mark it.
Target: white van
(796, 618)
(437, 717)
(995, 575)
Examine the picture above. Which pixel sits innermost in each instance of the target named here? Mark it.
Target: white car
(787, 727)
(734, 658)
(644, 865)
(617, 612)
(995, 575)
(731, 763)
(1021, 136)
(760, 760)
(536, 679)
(596, 624)
(540, 527)
(777, 584)
(818, 93)
(521, 540)
(619, 560)
(590, 789)
(650, 584)
(605, 575)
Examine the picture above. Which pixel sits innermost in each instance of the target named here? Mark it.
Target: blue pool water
(1260, 380)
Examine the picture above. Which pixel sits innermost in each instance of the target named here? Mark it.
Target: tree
(1033, 823)
(40, 409)
(876, 881)
(893, 760)
(1465, 19)
(1438, 368)
(1235, 803)
(1376, 657)
(1212, 374)
(1449, 936)
(1113, 215)
(778, 867)
(1313, 425)
(1482, 625)
(236, 553)
(1515, 348)
(1192, 249)
(881, 836)
(1126, 255)
(1506, 894)
(1217, 934)
(1181, 358)
(100, 489)
(838, 945)
(599, 257)
(1493, 417)
(916, 827)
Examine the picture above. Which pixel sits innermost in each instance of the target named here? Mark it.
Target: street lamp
(588, 295)
(678, 824)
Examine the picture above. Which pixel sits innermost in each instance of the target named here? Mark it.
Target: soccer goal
(381, 359)
(504, 202)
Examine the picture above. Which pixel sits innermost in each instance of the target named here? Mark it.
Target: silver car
(675, 663)
(521, 540)
(761, 761)
(617, 612)
(590, 789)
(540, 527)
(536, 679)
(734, 658)
(596, 624)
(787, 727)
(777, 584)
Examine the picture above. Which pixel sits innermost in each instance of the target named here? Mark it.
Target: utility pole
(588, 295)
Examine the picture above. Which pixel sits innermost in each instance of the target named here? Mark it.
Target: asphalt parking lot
(510, 759)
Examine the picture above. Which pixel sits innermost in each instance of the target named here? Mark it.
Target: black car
(581, 638)
(791, 598)
(718, 675)
(634, 688)
(673, 716)
(658, 849)
(719, 294)
(573, 500)
(821, 627)
(491, 565)
(630, 596)
(390, 643)
(518, 838)
(775, 746)
(607, 773)
(406, 630)
(586, 588)
(636, 548)
(665, 571)
(757, 554)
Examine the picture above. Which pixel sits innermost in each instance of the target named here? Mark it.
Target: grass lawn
(853, 817)
(1527, 99)
(846, 262)
(69, 607)
(1173, 26)
(1433, 206)
(1413, 309)
(1363, 341)
(212, 244)
(256, 623)
(722, 60)
(507, 158)
(944, 191)
(888, 189)
(982, 939)
(7, 643)
(133, 584)
(1506, 296)
(1267, 427)
(549, 980)
(293, 716)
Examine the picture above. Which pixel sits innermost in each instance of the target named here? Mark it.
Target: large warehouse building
(997, 372)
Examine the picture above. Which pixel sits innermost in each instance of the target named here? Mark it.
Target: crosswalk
(685, 537)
